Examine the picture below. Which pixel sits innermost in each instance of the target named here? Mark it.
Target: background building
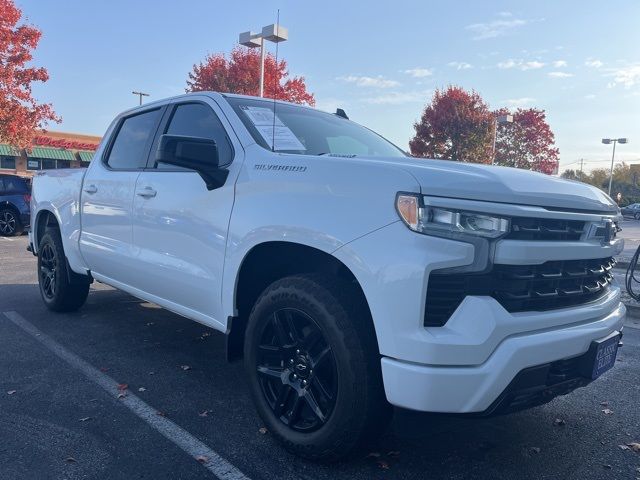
(49, 150)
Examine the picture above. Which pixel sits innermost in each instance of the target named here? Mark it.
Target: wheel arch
(269, 261)
(44, 218)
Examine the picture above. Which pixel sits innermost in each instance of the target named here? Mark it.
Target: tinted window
(15, 185)
(198, 120)
(129, 147)
(8, 162)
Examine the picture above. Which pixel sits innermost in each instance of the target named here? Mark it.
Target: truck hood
(472, 181)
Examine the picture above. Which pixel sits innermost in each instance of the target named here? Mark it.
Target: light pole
(498, 120)
(140, 95)
(608, 141)
(273, 33)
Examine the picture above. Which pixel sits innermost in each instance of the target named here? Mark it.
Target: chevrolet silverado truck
(348, 276)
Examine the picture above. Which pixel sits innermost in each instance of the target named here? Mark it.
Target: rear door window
(130, 147)
(14, 185)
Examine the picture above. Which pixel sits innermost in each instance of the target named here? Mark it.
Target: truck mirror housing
(194, 153)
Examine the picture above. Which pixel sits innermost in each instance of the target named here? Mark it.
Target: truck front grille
(520, 288)
(552, 229)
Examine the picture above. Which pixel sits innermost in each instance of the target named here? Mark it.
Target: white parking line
(7, 239)
(172, 432)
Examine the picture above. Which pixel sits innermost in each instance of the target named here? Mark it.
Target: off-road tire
(70, 289)
(360, 412)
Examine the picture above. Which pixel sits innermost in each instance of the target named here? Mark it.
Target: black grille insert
(520, 288)
(524, 228)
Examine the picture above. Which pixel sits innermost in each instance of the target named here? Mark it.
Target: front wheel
(61, 289)
(314, 367)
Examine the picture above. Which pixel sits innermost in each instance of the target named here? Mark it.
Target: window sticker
(280, 136)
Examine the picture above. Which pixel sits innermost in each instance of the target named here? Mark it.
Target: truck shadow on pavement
(183, 373)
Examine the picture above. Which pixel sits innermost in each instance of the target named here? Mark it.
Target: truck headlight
(444, 221)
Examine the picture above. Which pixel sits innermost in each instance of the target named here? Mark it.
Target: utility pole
(140, 95)
(581, 163)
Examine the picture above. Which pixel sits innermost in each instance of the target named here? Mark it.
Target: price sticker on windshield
(272, 129)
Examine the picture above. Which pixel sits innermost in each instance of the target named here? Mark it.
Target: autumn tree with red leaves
(455, 125)
(458, 125)
(527, 143)
(240, 73)
(20, 114)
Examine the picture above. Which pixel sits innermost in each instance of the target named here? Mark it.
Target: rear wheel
(314, 367)
(61, 289)
(10, 224)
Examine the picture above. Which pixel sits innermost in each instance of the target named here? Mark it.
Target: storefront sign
(64, 143)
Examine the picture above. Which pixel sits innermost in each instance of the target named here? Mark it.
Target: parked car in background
(632, 210)
(15, 196)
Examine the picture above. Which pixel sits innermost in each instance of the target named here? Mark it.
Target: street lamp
(273, 33)
(498, 120)
(608, 141)
(141, 94)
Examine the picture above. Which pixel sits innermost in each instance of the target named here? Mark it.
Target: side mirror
(194, 153)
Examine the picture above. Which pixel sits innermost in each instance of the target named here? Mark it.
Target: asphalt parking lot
(62, 414)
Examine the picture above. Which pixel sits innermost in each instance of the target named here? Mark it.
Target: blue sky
(380, 61)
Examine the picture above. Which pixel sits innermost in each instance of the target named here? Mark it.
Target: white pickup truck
(348, 275)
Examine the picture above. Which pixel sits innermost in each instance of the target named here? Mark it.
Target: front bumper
(467, 389)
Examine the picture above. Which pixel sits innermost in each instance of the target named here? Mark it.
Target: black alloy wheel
(297, 370)
(8, 223)
(48, 268)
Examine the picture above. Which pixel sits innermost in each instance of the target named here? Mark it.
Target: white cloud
(628, 76)
(495, 28)
(397, 98)
(519, 102)
(560, 74)
(363, 81)
(419, 72)
(460, 65)
(593, 63)
(520, 64)
(590, 96)
(559, 64)
(505, 14)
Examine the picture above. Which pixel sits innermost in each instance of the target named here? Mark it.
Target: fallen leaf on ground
(85, 419)
(70, 460)
(535, 449)
(142, 389)
(262, 430)
(122, 395)
(185, 367)
(202, 459)
(383, 465)
(11, 392)
(623, 447)
(604, 404)
(373, 455)
(161, 413)
(204, 413)
(607, 411)
(608, 467)
(150, 323)
(559, 422)
(122, 387)
(635, 446)
(393, 454)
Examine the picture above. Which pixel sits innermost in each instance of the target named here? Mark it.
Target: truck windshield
(306, 131)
